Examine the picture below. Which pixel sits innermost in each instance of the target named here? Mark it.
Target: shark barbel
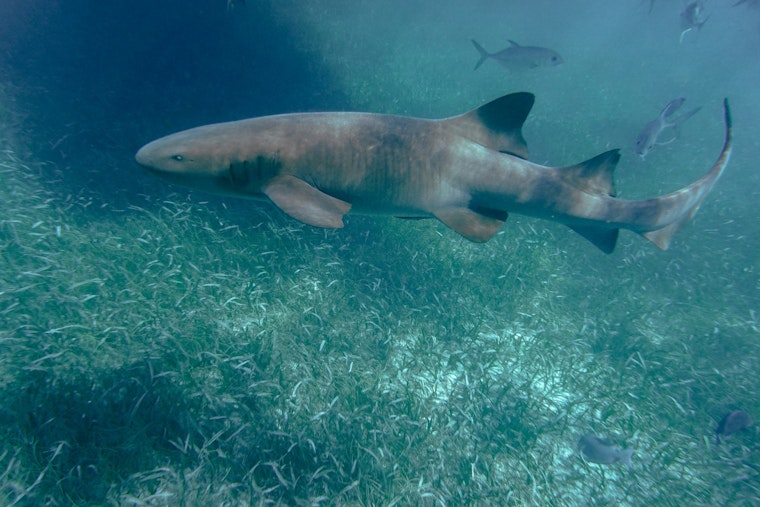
(468, 171)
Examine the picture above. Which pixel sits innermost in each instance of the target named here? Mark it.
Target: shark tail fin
(595, 177)
(685, 202)
(498, 124)
(483, 54)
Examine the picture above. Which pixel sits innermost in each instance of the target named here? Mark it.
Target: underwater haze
(161, 346)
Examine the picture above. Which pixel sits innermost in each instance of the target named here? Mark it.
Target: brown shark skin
(410, 167)
(380, 164)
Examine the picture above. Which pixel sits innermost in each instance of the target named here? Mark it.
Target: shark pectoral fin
(473, 225)
(306, 203)
(604, 239)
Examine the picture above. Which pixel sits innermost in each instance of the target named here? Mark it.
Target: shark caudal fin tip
(727, 113)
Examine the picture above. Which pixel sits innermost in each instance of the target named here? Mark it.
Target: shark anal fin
(474, 225)
(604, 239)
(306, 203)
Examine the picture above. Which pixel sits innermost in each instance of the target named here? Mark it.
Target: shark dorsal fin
(497, 124)
(594, 175)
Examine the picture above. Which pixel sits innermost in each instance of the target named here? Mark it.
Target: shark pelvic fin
(478, 226)
(594, 175)
(498, 124)
(306, 203)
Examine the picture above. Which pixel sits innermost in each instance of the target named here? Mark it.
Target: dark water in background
(86, 83)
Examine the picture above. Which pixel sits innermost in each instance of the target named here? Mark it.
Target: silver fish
(648, 138)
(520, 57)
(692, 17)
(600, 450)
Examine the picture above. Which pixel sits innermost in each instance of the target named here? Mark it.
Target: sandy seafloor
(161, 346)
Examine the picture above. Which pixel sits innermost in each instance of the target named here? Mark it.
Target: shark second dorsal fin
(594, 175)
(497, 124)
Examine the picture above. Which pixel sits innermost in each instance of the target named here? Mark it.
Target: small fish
(731, 423)
(600, 450)
(692, 17)
(649, 135)
(520, 57)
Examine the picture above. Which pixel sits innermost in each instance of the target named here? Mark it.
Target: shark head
(184, 155)
(210, 158)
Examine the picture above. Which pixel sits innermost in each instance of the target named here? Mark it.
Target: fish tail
(625, 457)
(683, 204)
(672, 107)
(686, 116)
(483, 54)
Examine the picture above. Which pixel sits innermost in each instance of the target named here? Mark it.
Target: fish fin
(672, 107)
(513, 43)
(594, 175)
(483, 54)
(476, 225)
(668, 141)
(604, 239)
(661, 237)
(497, 124)
(306, 203)
(686, 116)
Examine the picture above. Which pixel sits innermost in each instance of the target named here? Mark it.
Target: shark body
(469, 171)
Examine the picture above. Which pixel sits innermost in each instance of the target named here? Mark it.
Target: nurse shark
(468, 171)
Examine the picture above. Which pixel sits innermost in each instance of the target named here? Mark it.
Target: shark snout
(144, 158)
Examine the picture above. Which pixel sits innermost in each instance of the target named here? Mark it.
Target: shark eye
(178, 158)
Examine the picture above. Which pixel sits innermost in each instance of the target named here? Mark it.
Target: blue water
(162, 346)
